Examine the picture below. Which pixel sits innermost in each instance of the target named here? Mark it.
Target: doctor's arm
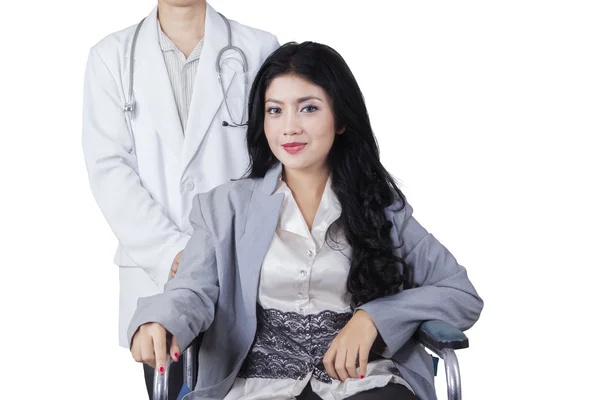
(443, 290)
(186, 307)
(140, 224)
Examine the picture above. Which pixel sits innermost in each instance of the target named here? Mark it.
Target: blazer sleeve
(187, 305)
(140, 223)
(442, 290)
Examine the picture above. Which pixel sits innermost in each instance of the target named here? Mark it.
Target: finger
(159, 337)
(135, 347)
(147, 349)
(340, 364)
(351, 356)
(175, 350)
(363, 360)
(328, 360)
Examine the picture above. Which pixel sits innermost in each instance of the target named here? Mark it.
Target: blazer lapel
(261, 224)
(207, 96)
(153, 87)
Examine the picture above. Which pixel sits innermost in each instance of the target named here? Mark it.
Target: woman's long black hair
(363, 186)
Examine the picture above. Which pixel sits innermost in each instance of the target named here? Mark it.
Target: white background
(487, 112)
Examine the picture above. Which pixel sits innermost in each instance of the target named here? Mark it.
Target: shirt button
(310, 253)
(303, 273)
(189, 185)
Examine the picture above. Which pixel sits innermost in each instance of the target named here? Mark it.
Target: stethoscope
(129, 104)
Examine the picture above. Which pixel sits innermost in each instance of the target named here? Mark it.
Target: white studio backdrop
(487, 112)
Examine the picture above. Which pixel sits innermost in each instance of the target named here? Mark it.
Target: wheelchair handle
(161, 382)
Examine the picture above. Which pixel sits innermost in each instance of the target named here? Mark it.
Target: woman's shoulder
(228, 195)
(399, 211)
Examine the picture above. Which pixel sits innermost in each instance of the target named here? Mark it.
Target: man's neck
(184, 25)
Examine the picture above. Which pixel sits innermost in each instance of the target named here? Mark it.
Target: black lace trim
(291, 345)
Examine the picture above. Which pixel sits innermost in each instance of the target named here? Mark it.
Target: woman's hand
(149, 345)
(354, 341)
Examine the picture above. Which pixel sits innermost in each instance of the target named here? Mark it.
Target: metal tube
(189, 366)
(452, 374)
(161, 383)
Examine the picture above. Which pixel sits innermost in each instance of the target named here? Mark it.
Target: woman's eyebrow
(305, 98)
(300, 100)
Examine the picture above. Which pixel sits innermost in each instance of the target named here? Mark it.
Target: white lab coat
(144, 175)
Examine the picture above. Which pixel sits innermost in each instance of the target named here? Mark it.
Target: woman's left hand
(354, 341)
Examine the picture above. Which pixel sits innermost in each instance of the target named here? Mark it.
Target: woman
(299, 274)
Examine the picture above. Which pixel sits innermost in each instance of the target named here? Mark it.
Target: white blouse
(303, 303)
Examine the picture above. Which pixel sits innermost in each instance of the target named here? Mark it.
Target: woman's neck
(307, 187)
(184, 25)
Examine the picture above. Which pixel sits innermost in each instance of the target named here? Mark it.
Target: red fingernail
(161, 370)
(362, 376)
(176, 355)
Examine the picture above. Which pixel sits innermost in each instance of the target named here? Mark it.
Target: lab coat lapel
(153, 87)
(207, 96)
(261, 223)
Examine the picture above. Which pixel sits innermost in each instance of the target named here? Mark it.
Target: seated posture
(310, 276)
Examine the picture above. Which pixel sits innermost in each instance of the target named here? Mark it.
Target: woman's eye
(273, 110)
(309, 109)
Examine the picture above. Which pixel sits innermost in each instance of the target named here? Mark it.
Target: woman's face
(299, 123)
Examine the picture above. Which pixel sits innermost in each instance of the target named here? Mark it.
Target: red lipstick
(294, 147)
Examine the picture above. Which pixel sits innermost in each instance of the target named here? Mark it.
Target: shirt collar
(291, 218)
(167, 44)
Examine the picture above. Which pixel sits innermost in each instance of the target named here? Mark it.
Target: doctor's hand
(149, 345)
(175, 265)
(353, 342)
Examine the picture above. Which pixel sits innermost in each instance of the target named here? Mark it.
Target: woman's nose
(292, 124)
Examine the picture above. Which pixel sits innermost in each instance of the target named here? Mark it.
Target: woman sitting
(310, 276)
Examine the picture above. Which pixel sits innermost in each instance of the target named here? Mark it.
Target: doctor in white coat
(146, 165)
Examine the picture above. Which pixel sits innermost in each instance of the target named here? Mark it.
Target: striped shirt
(182, 72)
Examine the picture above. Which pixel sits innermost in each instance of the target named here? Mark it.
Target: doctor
(164, 118)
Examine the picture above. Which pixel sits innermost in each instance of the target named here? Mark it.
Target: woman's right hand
(149, 345)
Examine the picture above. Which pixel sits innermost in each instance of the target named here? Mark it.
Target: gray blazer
(216, 287)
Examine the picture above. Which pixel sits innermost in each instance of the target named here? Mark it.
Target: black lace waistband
(291, 345)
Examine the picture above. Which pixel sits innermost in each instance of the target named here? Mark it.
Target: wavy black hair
(363, 186)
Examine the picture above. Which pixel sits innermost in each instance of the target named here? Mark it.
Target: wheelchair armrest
(439, 335)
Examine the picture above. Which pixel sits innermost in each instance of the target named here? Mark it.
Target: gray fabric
(216, 286)
(390, 392)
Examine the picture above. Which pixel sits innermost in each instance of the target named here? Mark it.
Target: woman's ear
(341, 130)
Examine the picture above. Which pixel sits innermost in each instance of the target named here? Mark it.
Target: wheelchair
(439, 337)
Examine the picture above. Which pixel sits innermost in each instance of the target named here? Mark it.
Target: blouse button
(303, 273)
(310, 253)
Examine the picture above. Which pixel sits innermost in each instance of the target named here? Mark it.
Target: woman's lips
(294, 148)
